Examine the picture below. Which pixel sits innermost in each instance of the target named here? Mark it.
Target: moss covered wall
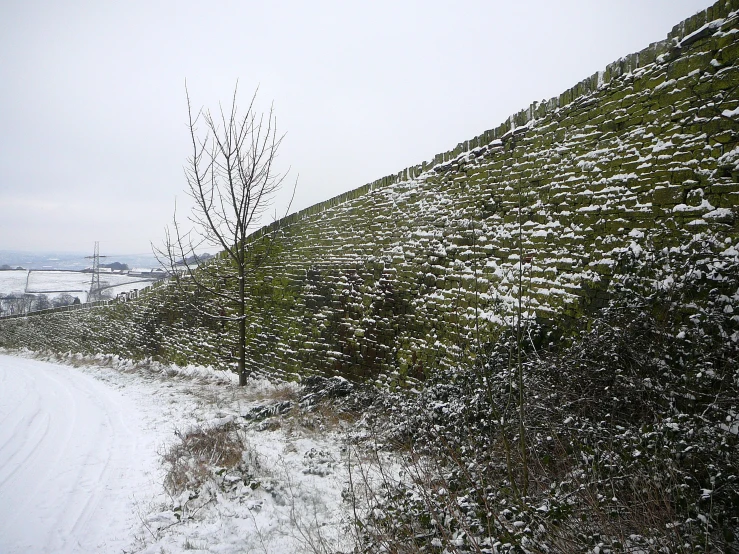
(411, 272)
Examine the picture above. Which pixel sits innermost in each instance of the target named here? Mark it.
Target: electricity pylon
(94, 293)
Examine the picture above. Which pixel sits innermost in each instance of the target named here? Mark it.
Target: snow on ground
(13, 281)
(67, 441)
(81, 445)
(75, 283)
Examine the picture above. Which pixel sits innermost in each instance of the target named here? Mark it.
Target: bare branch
(232, 180)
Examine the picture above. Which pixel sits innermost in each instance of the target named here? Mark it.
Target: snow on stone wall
(415, 270)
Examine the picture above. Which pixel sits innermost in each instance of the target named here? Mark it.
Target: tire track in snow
(74, 454)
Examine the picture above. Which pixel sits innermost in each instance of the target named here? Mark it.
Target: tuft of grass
(273, 392)
(200, 450)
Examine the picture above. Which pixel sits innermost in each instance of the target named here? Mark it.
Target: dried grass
(273, 392)
(189, 462)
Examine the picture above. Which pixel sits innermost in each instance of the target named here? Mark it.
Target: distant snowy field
(54, 283)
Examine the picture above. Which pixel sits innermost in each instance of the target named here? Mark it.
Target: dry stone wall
(416, 270)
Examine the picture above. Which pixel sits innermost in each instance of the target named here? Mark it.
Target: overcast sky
(93, 112)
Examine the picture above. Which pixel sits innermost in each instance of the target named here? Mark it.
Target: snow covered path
(74, 454)
(81, 440)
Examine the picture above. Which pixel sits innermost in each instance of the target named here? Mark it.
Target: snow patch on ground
(81, 462)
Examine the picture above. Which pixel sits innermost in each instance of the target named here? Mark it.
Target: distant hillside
(68, 261)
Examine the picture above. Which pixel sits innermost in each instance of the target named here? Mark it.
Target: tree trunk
(242, 332)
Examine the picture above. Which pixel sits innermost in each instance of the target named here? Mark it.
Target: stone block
(667, 196)
(722, 42)
(729, 200)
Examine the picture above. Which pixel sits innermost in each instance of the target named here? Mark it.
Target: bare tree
(64, 299)
(16, 303)
(232, 179)
(41, 302)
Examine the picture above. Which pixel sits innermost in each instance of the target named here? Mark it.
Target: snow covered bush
(628, 441)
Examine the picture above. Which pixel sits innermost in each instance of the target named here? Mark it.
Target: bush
(628, 440)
